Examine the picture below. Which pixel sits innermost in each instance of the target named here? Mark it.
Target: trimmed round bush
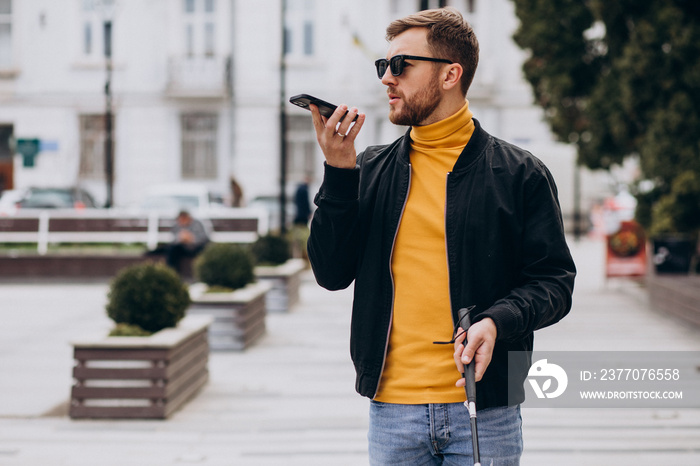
(271, 250)
(225, 265)
(151, 296)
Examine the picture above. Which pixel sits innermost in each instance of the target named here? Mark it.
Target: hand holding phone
(325, 108)
(336, 140)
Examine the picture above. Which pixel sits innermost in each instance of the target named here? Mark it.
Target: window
(92, 146)
(200, 27)
(430, 4)
(189, 40)
(5, 138)
(199, 149)
(308, 38)
(300, 28)
(5, 33)
(287, 41)
(87, 39)
(301, 147)
(394, 7)
(209, 39)
(95, 16)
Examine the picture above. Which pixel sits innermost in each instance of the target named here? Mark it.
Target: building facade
(170, 88)
(199, 89)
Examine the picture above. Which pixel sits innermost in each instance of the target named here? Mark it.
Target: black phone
(326, 108)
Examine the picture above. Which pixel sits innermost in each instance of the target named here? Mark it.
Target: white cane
(470, 387)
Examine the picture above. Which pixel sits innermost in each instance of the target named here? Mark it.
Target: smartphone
(326, 108)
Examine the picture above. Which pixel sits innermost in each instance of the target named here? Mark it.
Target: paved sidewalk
(290, 399)
(612, 315)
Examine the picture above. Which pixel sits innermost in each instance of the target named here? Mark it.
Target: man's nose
(388, 78)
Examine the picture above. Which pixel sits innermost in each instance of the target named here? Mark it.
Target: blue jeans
(440, 434)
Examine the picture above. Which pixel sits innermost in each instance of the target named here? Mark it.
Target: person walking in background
(445, 217)
(302, 214)
(189, 239)
(302, 203)
(236, 193)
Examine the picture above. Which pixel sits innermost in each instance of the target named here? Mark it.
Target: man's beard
(418, 108)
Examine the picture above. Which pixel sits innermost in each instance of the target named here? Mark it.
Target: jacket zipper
(393, 288)
(447, 254)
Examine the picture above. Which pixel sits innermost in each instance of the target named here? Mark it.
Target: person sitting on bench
(189, 239)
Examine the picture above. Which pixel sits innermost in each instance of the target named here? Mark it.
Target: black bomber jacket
(506, 251)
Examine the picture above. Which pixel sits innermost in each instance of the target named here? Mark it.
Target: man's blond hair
(449, 36)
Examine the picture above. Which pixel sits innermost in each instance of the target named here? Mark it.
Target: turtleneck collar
(453, 131)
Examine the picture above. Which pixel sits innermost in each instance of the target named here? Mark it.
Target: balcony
(198, 77)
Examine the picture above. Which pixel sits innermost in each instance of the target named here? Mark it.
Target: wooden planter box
(238, 316)
(677, 295)
(285, 280)
(140, 377)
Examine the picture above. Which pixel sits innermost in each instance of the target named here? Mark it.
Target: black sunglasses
(397, 62)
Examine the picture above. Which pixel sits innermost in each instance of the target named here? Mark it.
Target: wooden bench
(114, 227)
(105, 227)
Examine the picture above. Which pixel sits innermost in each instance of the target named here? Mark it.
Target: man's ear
(452, 76)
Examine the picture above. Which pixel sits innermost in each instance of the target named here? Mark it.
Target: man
(443, 218)
(189, 239)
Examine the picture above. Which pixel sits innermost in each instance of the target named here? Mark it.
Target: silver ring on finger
(341, 134)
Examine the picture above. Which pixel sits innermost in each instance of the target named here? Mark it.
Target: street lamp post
(283, 121)
(109, 131)
(106, 10)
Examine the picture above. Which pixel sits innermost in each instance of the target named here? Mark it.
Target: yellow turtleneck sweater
(417, 371)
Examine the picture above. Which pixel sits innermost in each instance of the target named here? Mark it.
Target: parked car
(271, 205)
(57, 198)
(170, 198)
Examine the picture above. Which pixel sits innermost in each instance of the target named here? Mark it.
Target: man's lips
(393, 97)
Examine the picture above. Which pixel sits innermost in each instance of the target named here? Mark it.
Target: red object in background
(626, 252)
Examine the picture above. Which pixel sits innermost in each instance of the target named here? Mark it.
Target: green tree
(621, 78)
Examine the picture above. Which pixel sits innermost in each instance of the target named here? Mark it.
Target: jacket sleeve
(543, 294)
(333, 239)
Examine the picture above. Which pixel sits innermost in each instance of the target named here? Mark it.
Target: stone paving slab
(290, 398)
